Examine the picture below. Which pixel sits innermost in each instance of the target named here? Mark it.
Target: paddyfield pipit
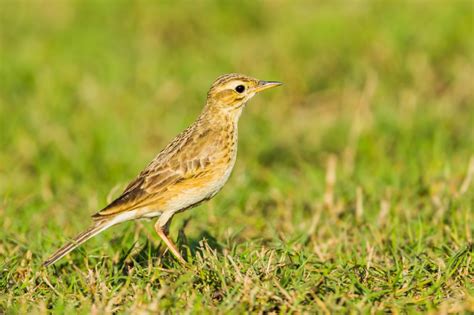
(189, 170)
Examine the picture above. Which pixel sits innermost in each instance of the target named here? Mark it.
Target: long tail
(78, 240)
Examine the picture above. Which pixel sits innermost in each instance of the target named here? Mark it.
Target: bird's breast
(221, 159)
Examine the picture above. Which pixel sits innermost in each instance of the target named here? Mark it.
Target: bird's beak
(264, 85)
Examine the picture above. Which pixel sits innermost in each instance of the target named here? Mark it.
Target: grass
(353, 190)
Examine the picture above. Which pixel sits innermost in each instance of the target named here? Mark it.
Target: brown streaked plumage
(189, 170)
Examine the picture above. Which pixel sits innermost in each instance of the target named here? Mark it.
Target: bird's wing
(152, 185)
(178, 166)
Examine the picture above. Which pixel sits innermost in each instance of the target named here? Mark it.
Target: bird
(190, 170)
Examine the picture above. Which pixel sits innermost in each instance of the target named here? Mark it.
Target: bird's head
(232, 91)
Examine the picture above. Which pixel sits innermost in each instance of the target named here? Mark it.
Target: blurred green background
(380, 93)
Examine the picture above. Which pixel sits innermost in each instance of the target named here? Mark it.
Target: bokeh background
(353, 181)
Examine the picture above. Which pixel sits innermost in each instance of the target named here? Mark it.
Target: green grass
(351, 190)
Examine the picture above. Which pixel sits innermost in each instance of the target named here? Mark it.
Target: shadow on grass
(163, 257)
(196, 244)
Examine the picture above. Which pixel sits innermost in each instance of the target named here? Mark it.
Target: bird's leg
(161, 228)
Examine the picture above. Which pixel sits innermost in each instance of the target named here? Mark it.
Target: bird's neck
(224, 123)
(220, 116)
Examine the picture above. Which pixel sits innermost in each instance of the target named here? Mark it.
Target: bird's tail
(78, 240)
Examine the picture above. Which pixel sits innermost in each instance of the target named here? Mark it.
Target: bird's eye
(240, 88)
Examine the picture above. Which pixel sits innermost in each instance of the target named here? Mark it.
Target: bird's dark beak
(264, 85)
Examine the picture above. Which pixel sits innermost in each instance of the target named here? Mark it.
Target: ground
(354, 184)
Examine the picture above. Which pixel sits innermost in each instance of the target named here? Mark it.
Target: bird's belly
(198, 191)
